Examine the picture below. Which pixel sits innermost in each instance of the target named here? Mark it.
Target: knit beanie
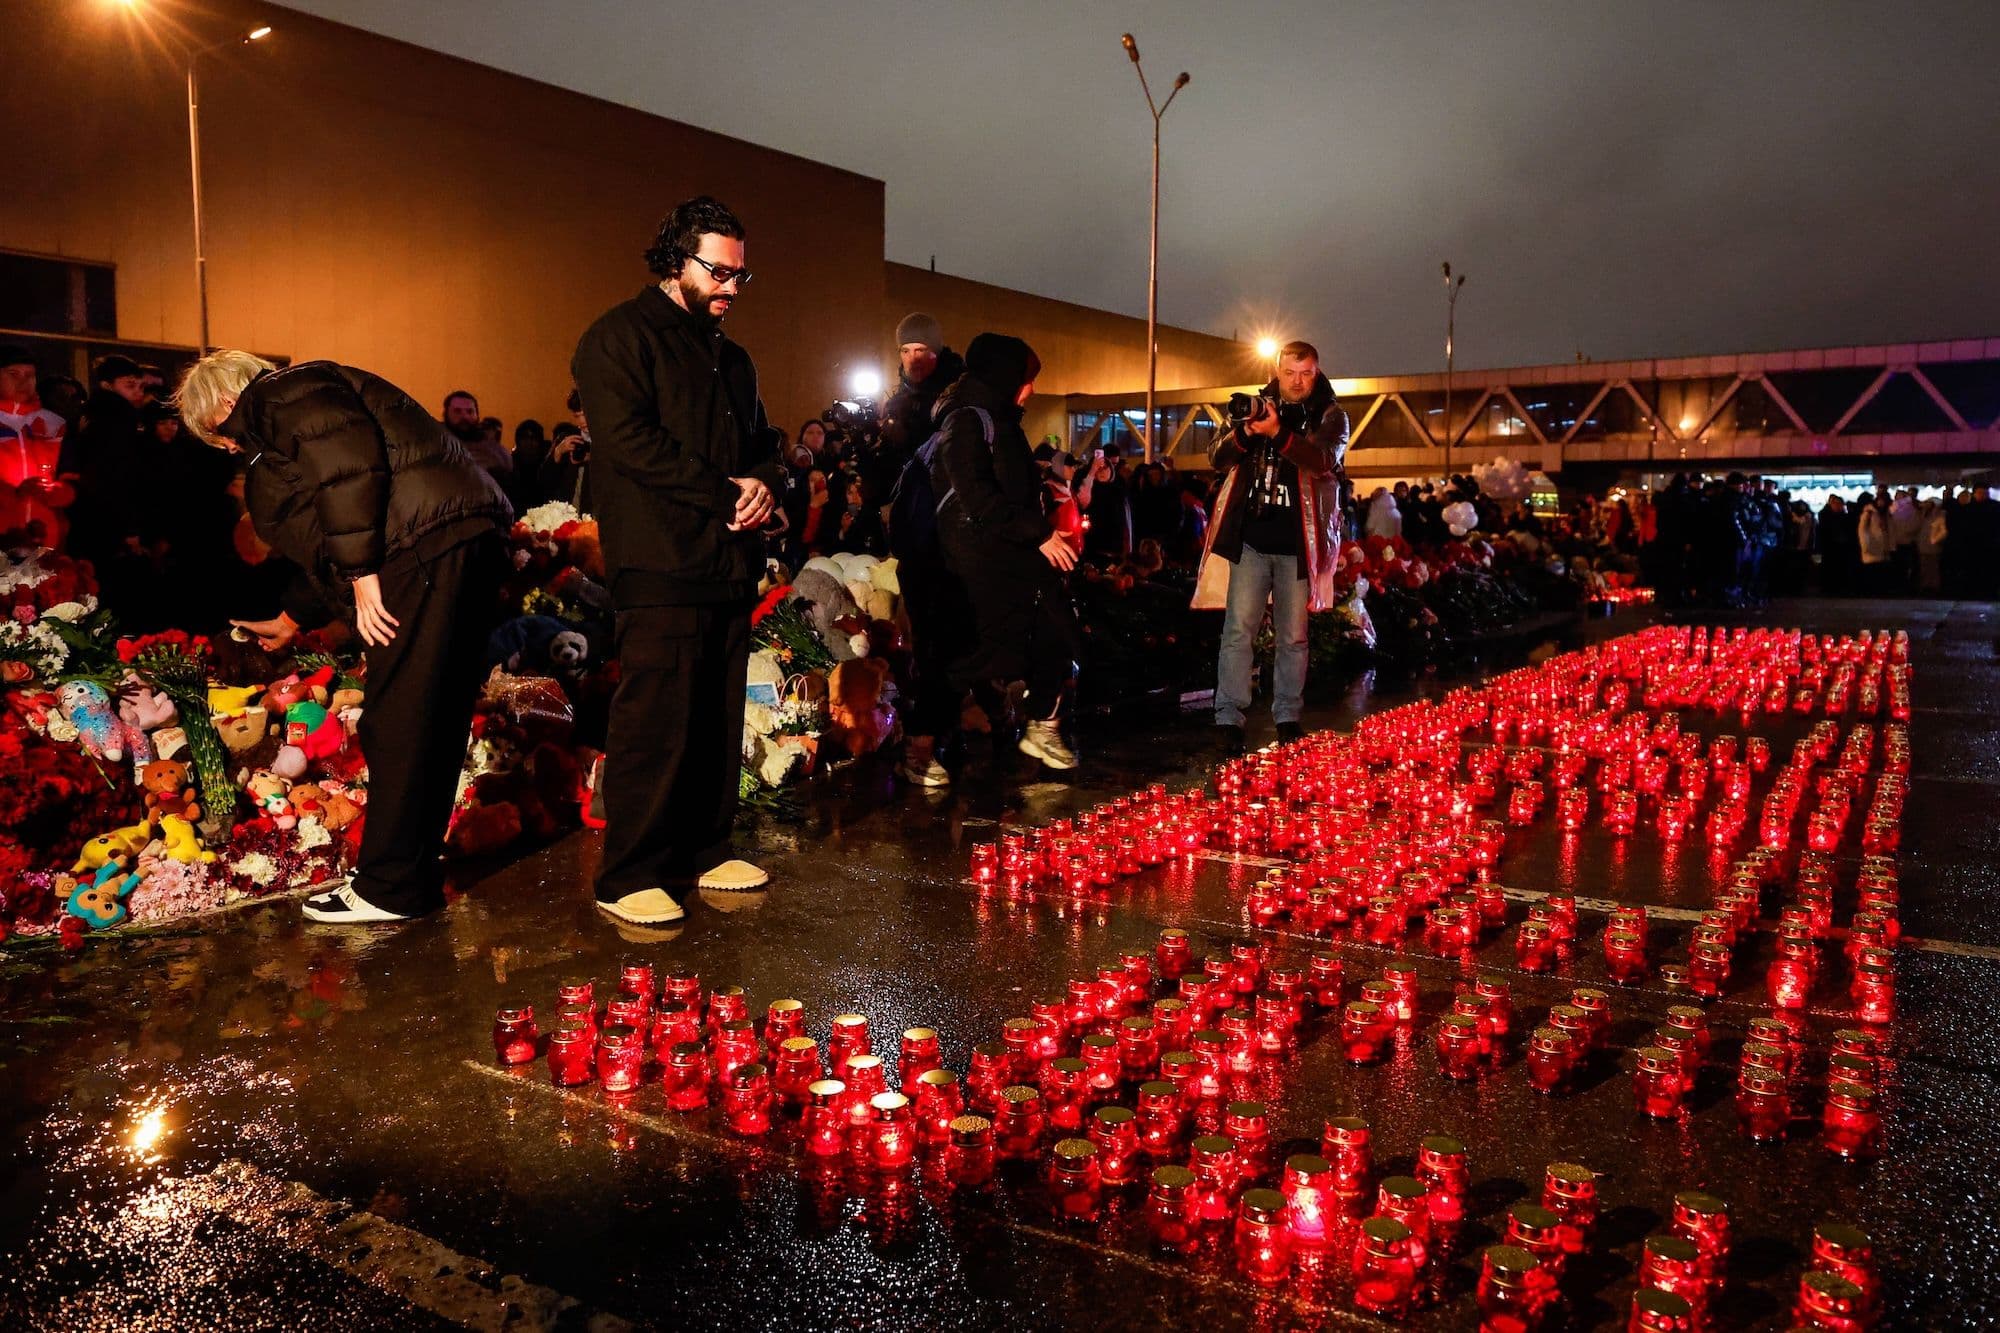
(918, 327)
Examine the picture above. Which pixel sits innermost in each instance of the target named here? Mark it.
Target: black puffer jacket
(346, 471)
(674, 415)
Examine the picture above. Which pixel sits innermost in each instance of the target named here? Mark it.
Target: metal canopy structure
(1936, 401)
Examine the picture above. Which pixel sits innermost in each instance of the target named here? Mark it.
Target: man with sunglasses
(684, 471)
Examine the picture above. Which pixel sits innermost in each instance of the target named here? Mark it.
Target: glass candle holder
(990, 1069)
(1539, 1231)
(1673, 1263)
(919, 1055)
(1534, 948)
(847, 1036)
(1402, 979)
(746, 1100)
(1022, 1038)
(1240, 1048)
(1829, 1303)
(783, 1020)
(796, 1070)
(1173, 1026)
(1138, 1048)
(1017, 1130)
(1170, 1212)
(937, 1103)
(1247, 1125)
(1114, 1130)
(1549, 1060)
(985, 863)
(1847, 1251)
(1851, 1124)
(1659, 1086)
(726, 1005)
(1569, 1190)
(515, 1036)
(1311, 1209)
(1325, 976)
(1051, 1015)
(673, 1023)
(1075, 1188)
(571, 1047)
(627, 1010)
(1702, 1220)
(1362, 1039)
(864, 1077)
(1511, 1291)
(1657, 1311)
(969, 1153)
(892, 1142)
(1568, 1019)
(1499, 997)
(1460, 1046)
(1103, 1069)
(1385, 1271)
(1086, 1006)
(1213, 1161)
(735, 1044)
(578, 991)
(825, 1120)
(1446, 1174)
(636, 978)
(1161, 1122)
(1763, 1104)
(1263, 1244)
(620, 1057)
(1405, 1199)
(685, 1076)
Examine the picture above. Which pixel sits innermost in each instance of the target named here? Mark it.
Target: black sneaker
(1289, 732)
(1231, 737)
(344, 907)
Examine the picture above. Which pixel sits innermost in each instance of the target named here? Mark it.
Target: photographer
(928, 369)
(1275, 538)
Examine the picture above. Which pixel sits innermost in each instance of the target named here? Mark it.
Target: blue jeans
(1254, 580)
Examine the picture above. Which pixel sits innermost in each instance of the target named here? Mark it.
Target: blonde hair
(207, 382)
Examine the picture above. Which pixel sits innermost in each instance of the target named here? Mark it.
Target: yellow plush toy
(181, 843)
(126, 842)
(228, 699)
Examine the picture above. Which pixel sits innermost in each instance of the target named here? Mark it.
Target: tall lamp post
(1451, 290)
(256, 34)
(1153, 251)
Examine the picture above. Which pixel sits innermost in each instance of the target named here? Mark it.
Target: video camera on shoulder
(852, 426)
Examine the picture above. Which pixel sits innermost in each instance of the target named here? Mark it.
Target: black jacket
(108, 459)
(346, 471)
(907, 417)
(674, 415)
(1319, 457)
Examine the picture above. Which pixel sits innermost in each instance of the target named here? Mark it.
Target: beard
(699, 302)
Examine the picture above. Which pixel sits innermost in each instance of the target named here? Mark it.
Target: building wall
(1083, 350)
(442, 223)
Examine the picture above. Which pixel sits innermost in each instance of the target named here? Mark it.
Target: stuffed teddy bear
(332, 809)
(103, 733)
(126, 842)
(296, 689)
(861, 721)
(828, 603)
(168, 790)
(537, 646)
(270, 794)
(101, 903)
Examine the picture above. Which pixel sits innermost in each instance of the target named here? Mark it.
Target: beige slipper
(648, 907)
(734, 875)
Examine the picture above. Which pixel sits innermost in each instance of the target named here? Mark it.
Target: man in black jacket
(359, 486)
(684, 472)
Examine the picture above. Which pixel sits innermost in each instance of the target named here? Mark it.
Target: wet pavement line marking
(677, 1129)
(391, 1257)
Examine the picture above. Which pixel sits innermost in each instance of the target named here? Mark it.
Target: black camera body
(1292, 416)
(852, 426)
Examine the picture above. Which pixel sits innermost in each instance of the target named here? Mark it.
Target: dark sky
(1620, 179)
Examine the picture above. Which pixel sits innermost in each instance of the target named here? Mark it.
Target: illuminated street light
(866, 384)
(1153, 251)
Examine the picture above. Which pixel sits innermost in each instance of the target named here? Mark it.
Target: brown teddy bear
(332, 809)
(169, 790)
(861, 721)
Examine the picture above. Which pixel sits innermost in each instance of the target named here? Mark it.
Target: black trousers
(674, 754)
(935, 603)
(422, 686)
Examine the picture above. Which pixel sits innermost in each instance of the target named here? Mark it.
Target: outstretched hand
(372, 618)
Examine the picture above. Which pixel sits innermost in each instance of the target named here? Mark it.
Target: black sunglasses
(723, 276)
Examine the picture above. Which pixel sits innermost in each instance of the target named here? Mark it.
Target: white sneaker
(344, 907)
(920, 766)
(1044, 741)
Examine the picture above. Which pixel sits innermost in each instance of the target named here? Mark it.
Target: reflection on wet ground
(255, 1123)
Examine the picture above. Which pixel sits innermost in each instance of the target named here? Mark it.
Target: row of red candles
(1316, 1210)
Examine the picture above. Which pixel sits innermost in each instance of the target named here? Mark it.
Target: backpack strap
(929, 449)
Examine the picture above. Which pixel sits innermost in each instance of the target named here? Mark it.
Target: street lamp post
(1153, 250)
(194, 168)
(1451, 290)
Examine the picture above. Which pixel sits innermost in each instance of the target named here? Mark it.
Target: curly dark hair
(681, 232)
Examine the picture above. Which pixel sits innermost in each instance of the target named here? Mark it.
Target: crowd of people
(1738, 540)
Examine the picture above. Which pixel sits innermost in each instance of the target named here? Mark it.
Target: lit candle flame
(147, 1133)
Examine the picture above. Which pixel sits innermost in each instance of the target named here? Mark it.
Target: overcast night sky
(1622, 179)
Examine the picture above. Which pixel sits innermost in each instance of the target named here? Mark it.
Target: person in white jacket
(1876, 572)
(1904, 523)
(1384, 518)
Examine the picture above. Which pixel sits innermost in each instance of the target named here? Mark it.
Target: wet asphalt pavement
(246, 1122)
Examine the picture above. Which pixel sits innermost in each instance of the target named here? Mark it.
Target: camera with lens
(852, 426)
(1244, 406)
